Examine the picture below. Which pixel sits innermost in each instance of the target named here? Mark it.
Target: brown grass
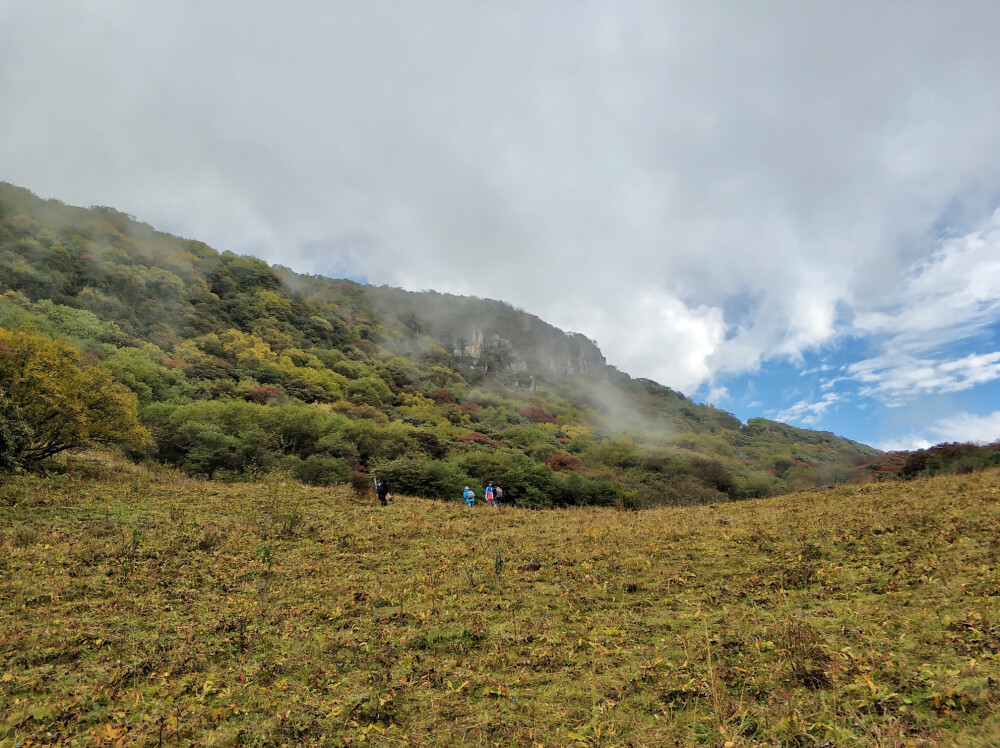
(141, 607)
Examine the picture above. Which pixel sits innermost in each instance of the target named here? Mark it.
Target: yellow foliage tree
(249, 350)
(64, 402)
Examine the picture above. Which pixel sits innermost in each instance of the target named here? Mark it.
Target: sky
(785, 209)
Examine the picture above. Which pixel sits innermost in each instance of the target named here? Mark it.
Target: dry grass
(140, 607)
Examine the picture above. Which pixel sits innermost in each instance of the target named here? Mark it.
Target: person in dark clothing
(382, 491)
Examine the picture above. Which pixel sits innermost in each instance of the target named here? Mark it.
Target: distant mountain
(240, 367)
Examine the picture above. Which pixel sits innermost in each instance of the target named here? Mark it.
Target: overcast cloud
(718, 193)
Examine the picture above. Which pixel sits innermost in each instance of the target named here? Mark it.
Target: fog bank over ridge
(780, 204)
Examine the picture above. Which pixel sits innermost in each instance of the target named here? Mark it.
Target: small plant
(11, 495)
(25, 535)
(808, 656)
(499, 561)
(265, 554)
(177, 514)
(129, 539)
(627, 501)
(287, 521)
(210, 538)
(378, 707)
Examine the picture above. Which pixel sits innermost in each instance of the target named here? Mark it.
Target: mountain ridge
(239, 366)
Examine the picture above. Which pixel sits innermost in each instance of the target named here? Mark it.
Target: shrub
(360, 483)
(317, 470)
(572, 489)
(483, 466)
(475, 437)
(420, 477)
(261, 393)
(714, 475)
(375, 441)
(429, 443)
(530, 484)
(563, 462)
(536, 414)
(369, 391)
(443, 397)
(206, 437)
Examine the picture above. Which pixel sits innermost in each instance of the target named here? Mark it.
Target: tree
(65, 403)
(14, 434)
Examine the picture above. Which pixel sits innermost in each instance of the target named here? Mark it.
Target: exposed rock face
(479, 344)
(563, 354)
(493, 335)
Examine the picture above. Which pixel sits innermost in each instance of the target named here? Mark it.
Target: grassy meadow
(141, 607)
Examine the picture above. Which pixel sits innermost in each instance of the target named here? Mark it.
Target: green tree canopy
(65, 403)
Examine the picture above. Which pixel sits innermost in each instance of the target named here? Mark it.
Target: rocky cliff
(491, 334)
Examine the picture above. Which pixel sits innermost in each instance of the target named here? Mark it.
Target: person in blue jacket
(470, 497)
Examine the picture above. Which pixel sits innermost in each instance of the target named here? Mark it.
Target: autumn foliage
(536, 414)
(563, 462)
(237, 368)
(65, 403)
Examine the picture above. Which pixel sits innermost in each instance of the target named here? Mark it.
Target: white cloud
(961, 427)
(907, 443)
(717, 395)
(897, 378)
(808, 413)
(949, 298)
(983, 429)
(951, 294)
(664, 339)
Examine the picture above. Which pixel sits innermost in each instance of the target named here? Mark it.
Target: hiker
(382, 491)
(497, 496)
(470, 497)
(489, 495)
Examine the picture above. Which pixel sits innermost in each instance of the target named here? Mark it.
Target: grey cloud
(583, 161)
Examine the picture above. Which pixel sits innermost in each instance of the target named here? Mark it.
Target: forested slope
(238, 368)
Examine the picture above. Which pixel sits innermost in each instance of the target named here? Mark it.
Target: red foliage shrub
(261, 393)
(476, 437)
(360, 482)
(443, 397)
(536, 414)
(563, 463)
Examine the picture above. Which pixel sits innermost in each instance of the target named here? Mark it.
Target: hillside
(139, 606)
(239, 368)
